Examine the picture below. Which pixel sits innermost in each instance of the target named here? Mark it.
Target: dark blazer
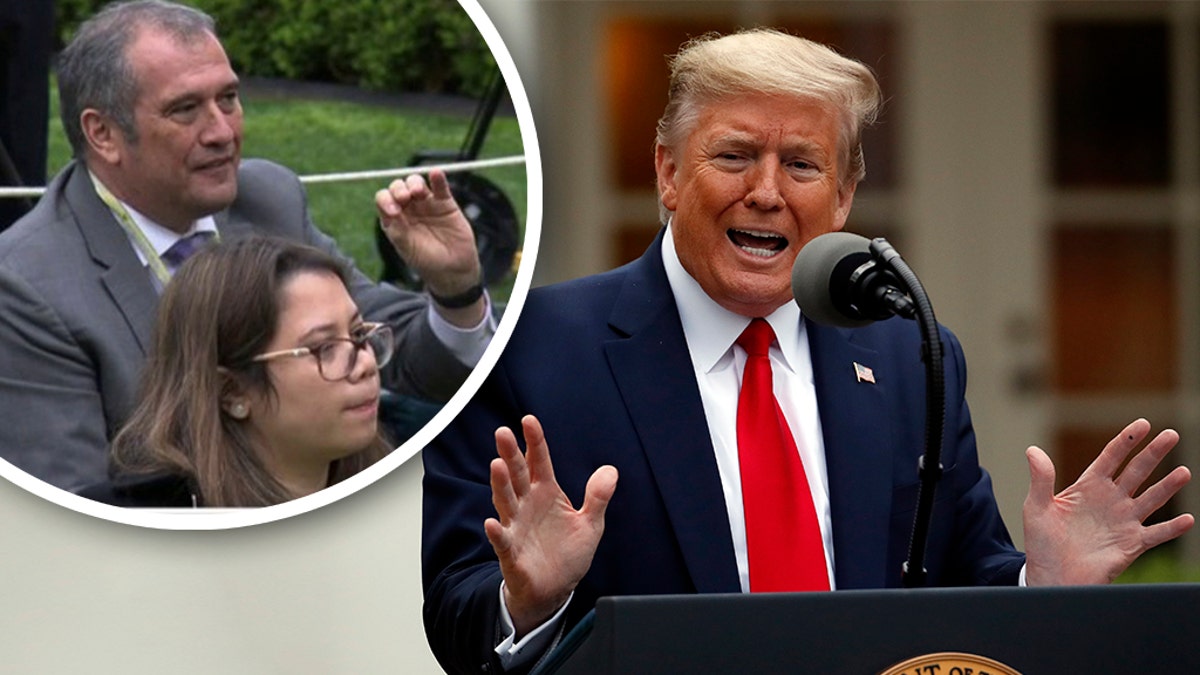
(77, 311)
(602, 361)
(157, 490)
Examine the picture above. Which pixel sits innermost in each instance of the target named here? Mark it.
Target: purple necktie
(186, 248)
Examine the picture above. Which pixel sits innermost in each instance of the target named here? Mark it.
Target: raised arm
(543, 543)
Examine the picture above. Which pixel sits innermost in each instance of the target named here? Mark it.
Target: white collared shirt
(161, 238)
(711, 331)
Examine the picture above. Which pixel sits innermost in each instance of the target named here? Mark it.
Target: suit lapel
(121, 272)
(653, 371)
(858, 454)
(123, 275)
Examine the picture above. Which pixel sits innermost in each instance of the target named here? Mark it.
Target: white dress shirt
(711, 332)
(160, 238)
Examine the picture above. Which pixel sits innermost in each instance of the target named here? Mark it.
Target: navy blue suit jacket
(603, 363)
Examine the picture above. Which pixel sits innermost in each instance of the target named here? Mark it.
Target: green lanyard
(135, 233)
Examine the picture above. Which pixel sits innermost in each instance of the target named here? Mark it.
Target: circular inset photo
(277, 255)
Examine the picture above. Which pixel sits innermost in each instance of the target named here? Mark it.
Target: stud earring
(239, 411)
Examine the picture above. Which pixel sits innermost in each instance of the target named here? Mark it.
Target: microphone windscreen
(821, 277)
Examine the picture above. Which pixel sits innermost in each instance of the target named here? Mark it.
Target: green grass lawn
(321, 136)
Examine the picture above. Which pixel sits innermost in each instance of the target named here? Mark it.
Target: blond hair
(712, 68)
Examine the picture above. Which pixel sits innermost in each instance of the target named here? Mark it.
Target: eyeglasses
(336, 356)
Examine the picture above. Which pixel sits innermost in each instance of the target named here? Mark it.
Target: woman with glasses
(262, 384)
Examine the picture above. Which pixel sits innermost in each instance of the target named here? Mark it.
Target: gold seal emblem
(950, 663)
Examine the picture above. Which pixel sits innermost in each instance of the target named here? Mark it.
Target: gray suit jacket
(77, 311)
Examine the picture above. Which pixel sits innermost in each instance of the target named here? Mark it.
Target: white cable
(16, 192)
(453, 167)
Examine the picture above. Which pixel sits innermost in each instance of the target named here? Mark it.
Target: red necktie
(783, 538)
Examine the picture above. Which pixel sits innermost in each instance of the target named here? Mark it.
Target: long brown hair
(219, 311)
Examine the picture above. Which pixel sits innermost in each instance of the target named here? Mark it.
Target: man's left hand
(1092, 531)
(434, 238)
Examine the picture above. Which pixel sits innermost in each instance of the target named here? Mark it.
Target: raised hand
(544, 544)
(432, 235)
(1092, 531)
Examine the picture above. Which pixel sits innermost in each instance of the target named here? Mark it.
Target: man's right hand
(544, 544)
(433, 236)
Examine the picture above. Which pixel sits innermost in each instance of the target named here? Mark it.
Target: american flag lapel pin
(863, 373)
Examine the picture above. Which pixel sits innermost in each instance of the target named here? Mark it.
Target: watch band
(460, 300)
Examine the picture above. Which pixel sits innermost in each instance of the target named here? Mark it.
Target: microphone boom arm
(930, 467)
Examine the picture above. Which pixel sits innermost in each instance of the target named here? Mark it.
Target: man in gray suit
(150, 105)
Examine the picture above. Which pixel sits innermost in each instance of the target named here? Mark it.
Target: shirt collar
(159, 237)
(162, 238)
(711, 329)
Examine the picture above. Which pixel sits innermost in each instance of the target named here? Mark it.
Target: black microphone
(842, 279)
(837, 281)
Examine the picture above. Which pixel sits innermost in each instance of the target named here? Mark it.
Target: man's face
(756, 180)
(184, 162)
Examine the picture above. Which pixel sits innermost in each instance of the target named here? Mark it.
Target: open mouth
(757, 242)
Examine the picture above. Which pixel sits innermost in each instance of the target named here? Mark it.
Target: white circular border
(219, 519)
